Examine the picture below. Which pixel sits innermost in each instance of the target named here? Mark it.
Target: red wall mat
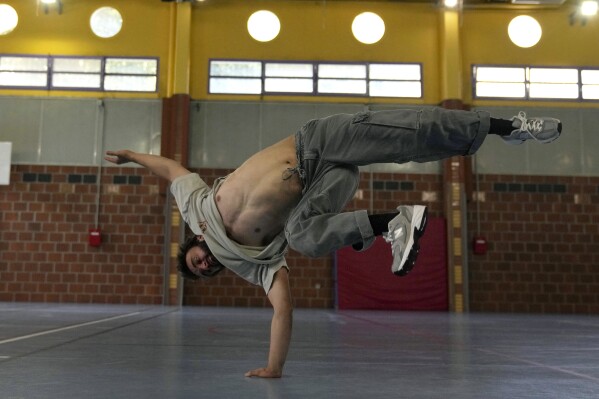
(365, 281)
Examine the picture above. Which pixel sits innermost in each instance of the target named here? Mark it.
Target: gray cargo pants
(330, 150)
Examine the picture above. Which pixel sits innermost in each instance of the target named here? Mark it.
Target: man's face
(198, 258)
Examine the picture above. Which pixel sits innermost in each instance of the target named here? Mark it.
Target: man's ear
(200, 238)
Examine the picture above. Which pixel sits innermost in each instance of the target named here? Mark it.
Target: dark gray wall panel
(133, 124)
(570, 155)
(589, 125)
(20, 124)
(223, 134)
(69, 131)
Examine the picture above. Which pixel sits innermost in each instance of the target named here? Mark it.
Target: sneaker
(404, 232)
(544, 130)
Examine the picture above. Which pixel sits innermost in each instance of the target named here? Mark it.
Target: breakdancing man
(292, 194)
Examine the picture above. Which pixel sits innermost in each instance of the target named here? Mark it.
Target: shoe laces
(395, 236)
(529, 126)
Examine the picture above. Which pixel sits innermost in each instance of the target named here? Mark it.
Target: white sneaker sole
(410, 254)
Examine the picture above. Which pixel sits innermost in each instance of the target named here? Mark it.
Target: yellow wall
(486, 41)
(145, 32)
(311, 30)
(314, 31)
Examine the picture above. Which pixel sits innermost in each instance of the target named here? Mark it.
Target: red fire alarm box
(480, 245)
(95, 237)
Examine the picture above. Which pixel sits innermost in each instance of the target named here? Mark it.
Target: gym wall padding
(365, 281)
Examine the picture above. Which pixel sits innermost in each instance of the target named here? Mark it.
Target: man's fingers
(111, 156)
(113, 159)
(117, 157)
(253, 373)
(262, 373)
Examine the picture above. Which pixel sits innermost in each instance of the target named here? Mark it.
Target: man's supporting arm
(163, 167)
(280, 329)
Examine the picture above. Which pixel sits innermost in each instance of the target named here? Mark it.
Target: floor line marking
(55, 330)
(436, 340)
(542, 365)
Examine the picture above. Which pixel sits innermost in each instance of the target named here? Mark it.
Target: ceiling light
(106, 22)
(589, 7)
(368, 28)
(263, 25)
(524, 31)
(450, 3)
(8, 19)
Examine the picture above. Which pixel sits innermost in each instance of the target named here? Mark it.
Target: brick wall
(45, 214)
(543, 234)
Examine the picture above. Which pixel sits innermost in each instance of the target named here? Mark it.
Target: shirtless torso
(257, 198)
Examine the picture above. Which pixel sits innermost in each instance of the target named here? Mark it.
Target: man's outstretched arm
(163, 167)
(280, 329)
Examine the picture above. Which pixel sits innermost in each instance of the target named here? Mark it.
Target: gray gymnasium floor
(79, 351)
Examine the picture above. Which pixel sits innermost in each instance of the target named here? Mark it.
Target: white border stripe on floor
(89, 323)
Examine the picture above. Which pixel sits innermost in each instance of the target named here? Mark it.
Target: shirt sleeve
(261, 274)
(188, 191)
(269, 274)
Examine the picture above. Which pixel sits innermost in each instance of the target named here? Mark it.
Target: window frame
(45, 87)
(527, 83)
(105, 74)
(315, 78)
(50, 72)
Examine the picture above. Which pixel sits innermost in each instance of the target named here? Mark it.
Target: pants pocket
(400, 118)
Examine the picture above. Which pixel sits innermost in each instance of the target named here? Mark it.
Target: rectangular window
(76, 81)
(590, 84)
(390, 88)
(315, 78)
(288, 77)
(235, 85)
(395, 72)
(342, 86)
(235, 77)
(395, 80)
(497, 82)
(500, 90)
(23, 71)
(342, 79)
(77, 65)
(553, 75)
(130, 83)
(79, 73)
(553, 83)
(131, 66)
(236, 68)
(341, 71)
(288, 85)
(553, 91)
(131, 74)
(289, 69)
(531, 83)
(23, 80)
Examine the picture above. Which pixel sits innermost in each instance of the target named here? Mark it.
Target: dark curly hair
(190, 242)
